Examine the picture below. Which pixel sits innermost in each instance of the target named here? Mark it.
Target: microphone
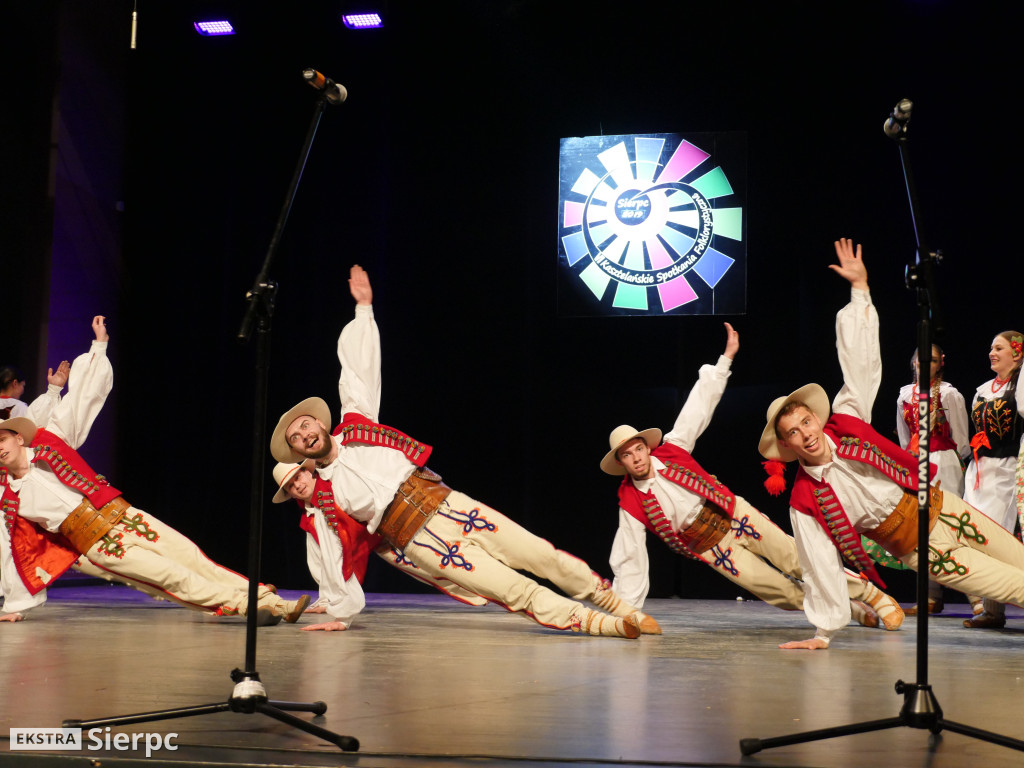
(334, 92)
(896, 124)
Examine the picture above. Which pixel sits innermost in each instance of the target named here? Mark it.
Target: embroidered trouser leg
(478, 548)
(754, 538)
(970, 552)
(151, 556)
(397, 559)
(741, 554)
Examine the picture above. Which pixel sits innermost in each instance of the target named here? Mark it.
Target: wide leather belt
(707, 530)
(87, 525)
(897, 534)
(415, 503)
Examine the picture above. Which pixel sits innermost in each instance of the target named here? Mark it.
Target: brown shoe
(863, 613)
(985, 621)
(934, 606)
(593, 622)
(292, 611)
(648, 626)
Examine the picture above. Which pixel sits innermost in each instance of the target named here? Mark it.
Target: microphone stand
(249, 694)
(920, 707)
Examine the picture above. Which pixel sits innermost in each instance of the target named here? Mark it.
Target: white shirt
(867, 496)
(364, 478)
(343, 598)
(16, 595)
(629, 559)
(44, 499)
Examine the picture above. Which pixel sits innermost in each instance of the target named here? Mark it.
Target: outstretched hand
(851, 264)
(327, 626)
(359, 285)
(814, 644)
(60, 378)
(732, 342)
(99, 327)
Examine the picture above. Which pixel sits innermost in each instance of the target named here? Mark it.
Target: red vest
(855, 440)
(356, 542)
(31, 546)
(681, 469)
(356, 428)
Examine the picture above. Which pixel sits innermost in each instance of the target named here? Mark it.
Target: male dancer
(666, 492)
(337, 550)
(851, 480)
(378, 476)
(76, 512)
(17, 599)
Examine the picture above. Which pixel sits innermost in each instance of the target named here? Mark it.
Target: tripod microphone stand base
(920, 710)
(248, 696)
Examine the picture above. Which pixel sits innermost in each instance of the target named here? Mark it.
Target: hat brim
(811, 395)
(610, 463)
(282, 495)
(311, 406)
(22, 426)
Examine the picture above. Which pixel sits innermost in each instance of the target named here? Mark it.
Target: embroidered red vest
(855, 440)
(681, 469)
(941, 438)
(32, 546)
(356, 542)
(356, 428)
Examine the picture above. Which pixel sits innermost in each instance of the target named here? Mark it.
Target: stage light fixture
(369, 20)
(213, 28)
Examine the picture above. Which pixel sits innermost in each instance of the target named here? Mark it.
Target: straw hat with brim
(618, 438)
(811, 395)
(285, 472)
(311, 406)
(24, 427)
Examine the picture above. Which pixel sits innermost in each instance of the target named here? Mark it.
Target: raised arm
(856, 337)
(359, 352)
(700, 404)
(89, 382)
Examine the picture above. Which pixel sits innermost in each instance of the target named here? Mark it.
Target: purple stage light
(211, 28)
(362, 20)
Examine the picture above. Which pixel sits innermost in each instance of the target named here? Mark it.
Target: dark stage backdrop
(440, 176)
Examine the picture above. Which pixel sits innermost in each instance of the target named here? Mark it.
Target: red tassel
(776, 482)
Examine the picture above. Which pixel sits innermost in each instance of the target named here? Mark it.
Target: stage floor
(424, 681)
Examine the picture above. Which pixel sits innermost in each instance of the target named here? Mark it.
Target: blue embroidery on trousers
(448, 553)
(723, 560)
(470, 521)
(743, 527)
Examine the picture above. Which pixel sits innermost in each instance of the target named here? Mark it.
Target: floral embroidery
(448, 553)
(742, 527)
(723, 560)
(944, 564)
(470, 521)
(110, 544)
(963, 526)
(139, 527)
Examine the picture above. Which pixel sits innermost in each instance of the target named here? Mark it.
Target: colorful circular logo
(644, 234)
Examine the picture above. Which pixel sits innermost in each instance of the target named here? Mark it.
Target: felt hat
(619, 437)
(311, 406)
(283, 473)
(811, 395)
(23, 426)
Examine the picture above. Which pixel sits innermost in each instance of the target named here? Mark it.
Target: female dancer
(948, 445)
(997, 426)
